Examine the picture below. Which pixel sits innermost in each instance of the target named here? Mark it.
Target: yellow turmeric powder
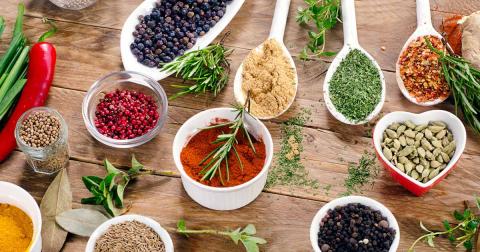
(16, 229)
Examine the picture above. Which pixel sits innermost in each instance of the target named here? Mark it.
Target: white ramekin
(16, 196)
(167, 240)
(315, 226)
(225, 198)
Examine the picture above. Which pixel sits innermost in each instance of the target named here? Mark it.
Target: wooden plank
(279, 219)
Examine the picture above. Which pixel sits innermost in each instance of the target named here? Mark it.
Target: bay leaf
(57, 199)
(80, 221)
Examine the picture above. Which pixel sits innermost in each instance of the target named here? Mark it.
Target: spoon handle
(279, 19)
(349, 23)
(423, 13)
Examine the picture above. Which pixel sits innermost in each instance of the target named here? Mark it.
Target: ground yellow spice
(270, 78)
(16, 229)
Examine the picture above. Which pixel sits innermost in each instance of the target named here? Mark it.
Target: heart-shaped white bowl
(453, 124)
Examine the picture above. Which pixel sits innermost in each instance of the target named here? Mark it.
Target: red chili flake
(125, 114)
(421, 72)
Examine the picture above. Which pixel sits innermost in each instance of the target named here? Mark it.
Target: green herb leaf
(458, 216)
(249, 229)
(136, 166)
(110, 168)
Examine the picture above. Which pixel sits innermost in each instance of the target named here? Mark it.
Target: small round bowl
(167, 240)
(73, 4)
(222, 198)
(16, 196)
(315, 226)
(453, 124)
(124, 80)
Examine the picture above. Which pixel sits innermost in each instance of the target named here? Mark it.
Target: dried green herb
(355, 88)
(462, 233)
(245, 235)
(80, 221)
(288, 169)
(324, 14)
(362, 173)
(57, 199)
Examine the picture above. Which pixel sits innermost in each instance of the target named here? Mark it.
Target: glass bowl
(124, 80)
(73, 4)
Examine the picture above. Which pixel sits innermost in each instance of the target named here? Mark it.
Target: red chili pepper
(41, 68)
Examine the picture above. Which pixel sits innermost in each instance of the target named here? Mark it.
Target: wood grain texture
(88, 47)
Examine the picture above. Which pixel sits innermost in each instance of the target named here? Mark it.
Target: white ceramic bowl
(226, 198)
(315, 226)
(453, 124)
(126, 38)
(16, 196)
(167, 240)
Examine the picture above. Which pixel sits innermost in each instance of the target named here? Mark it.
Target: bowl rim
(29, 200)
(460, 143)
(265, 138)
(100, 230)
(160, 95)
(342, 201)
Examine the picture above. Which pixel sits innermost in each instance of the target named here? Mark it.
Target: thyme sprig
(461, 234)
(227, 143)
(324, 14)
(245, 235)
(208, 68)
(464, 82)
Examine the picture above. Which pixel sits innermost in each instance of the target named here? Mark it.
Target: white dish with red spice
(453, 124)
(125, 80)
(350, 40)
(375, 205)
(424, 28)
(222, 198)
(129, 60)
(164, 236)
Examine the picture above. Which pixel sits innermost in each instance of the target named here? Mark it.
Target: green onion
(9, 98)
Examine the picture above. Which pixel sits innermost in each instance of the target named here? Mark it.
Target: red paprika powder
(200, 145)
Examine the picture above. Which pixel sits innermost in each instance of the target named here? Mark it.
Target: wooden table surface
(88, 47)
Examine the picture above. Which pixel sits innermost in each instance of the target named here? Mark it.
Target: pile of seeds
(131, 236)
(421, 151)
(420, 70)
(355, 227)
(126, 114)
(40, 129)
(173, 27)
(355, 88)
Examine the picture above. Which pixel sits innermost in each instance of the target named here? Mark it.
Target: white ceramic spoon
(424, 28)
(276, 32)
(126, 38)
(350, 41)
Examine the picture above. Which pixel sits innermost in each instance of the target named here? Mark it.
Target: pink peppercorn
(125, 114)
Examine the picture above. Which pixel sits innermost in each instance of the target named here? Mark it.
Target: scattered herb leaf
(57, 199)
(245, 235)
(364, 172)
(288, 169)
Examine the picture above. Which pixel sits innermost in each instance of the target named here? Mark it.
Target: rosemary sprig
(227, 144)
(464, 82)
(324, 14)
(208, 68)
(461, 234)
(245, 235)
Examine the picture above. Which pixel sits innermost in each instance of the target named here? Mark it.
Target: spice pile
(130, 236)
(420, 151)
(16, 229)
(420, 70)
(355, 227)
(172, 28)
(242, 166)
(355, 87)
(126, 114)
(44, 140)
(270, 79)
